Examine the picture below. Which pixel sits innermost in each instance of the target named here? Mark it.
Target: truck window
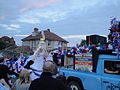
(112, 67)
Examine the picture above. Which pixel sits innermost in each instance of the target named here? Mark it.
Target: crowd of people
(37, 66)
(36, 72)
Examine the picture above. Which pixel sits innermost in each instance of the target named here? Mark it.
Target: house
(95, 39)
(51, 40)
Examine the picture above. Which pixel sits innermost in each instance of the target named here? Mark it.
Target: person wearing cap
(46, 81)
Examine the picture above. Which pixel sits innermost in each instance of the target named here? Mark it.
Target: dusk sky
(70, 19)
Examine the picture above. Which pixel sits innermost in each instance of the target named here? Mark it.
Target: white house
(51, 40)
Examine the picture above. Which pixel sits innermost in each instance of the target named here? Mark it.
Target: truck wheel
(74, 85)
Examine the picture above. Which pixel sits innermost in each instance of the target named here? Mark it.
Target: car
(95, 76)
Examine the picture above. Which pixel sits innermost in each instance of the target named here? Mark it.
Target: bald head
(50, 66)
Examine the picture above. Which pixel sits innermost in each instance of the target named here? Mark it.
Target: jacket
(47, 82)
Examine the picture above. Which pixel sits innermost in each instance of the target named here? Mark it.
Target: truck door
(111, 75)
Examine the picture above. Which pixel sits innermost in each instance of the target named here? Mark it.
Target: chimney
(36, 32)
(48, 29)
(35, 29)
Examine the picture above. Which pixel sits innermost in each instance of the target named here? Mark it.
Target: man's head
(50, 66)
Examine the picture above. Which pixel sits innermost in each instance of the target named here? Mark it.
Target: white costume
(49, 57)
(29, 58)
(38, 63)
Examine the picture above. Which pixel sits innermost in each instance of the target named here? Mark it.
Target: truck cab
(105, 74)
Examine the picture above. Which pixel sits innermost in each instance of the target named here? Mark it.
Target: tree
(4, 44)
(83, 42)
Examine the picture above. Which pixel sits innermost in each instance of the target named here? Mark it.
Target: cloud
(13, 27)
(2, 17)
(55, 13)
(38, 16)
(28, 19)
(21, 35)
(38, 4)
(83, 4)
(79, 36)
(74, 37)
(3, 25)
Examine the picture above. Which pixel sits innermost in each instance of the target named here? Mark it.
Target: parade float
(96, 68)
(87, 62)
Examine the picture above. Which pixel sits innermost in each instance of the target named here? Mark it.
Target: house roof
(48, 36)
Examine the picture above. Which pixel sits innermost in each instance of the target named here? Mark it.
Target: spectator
(110, 67)
(23, 82)
(4, 85)
(49, 55)
(46, 81)
(111, 72)
(63, 79)
(4, 71)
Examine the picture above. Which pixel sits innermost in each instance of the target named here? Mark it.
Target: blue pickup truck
(104, 76)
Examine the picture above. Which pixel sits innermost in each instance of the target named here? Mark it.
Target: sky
(70, 19)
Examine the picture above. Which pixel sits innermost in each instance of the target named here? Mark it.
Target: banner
(83, 62)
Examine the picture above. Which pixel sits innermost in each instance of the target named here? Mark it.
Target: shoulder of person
(4, 67)
(61, 85)
(2, 87)
(36, 80)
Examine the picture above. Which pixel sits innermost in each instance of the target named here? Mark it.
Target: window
(112, 67)
(49, 43)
